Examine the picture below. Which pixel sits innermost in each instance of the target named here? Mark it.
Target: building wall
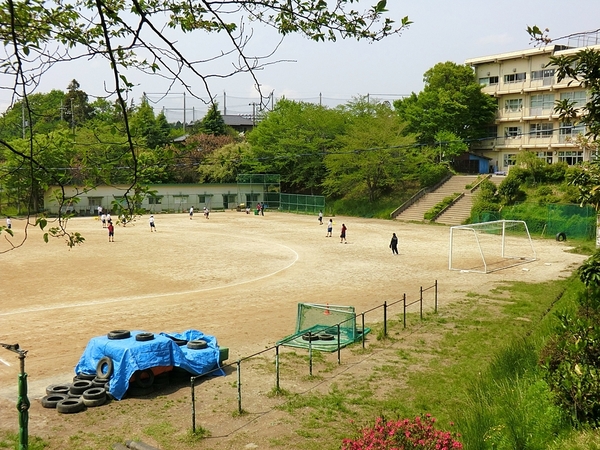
(526, 91)
(167, 197)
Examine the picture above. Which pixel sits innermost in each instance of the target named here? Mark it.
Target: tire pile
(90, 390)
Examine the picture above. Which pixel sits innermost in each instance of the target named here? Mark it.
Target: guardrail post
(363, 330)
(339, 345)
(404, 301)
(277, 368)
(193, 405)
(436, 295)
(385, 319)
(239, 385)
(310, 353)
(421, 303)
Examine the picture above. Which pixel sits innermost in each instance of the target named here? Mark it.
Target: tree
(212, 122)
(371, 153)
(451, 101)
(129, 36)
(224, 164)
(293, 140)
(76, 106)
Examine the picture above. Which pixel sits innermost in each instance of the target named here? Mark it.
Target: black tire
(144, 337)
(101, 373)
(70, 405)
(79, 387)
(119, 334)
(84, 376)
(95, 402)
(99, 382)
(94, 393)
(177, 340)
(326, 337)
(50, 401)
(310, 337)
(560, 237)
(58, 389)
(144, 378)
(197, 344)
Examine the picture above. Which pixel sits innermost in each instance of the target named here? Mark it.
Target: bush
(436, 209)
(510, 189)
(399, 434)
(431, 174)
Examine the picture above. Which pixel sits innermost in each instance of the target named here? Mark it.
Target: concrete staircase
(457, 213)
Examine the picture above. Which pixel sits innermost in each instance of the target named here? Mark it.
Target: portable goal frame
(493, 262)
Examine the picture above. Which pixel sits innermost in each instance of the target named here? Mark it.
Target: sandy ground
(236, 276)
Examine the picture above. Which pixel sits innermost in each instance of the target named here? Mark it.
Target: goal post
(490, 246)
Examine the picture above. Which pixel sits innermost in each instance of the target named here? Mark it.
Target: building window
(513, 105)
(540, 130)
(542, 102)
(546, 156)
(542, 74)
(155, 200)
(491, 132)
(567, 131)
(571, 157)
(512, 132)
(488, 81)
(509, 159)
(515, 77)
(578, 98)
(204, 199)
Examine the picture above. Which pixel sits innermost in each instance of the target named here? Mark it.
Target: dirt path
(236, 276)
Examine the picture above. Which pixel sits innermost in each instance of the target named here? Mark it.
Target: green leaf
(46, 238)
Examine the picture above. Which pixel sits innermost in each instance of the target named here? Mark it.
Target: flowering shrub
(403, 434)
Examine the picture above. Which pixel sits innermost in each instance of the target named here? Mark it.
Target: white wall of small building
(165, 198)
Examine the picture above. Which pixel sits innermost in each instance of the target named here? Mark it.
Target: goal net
(490, 246)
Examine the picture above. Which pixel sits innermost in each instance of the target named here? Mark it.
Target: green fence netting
(310, 204)
(549, 220)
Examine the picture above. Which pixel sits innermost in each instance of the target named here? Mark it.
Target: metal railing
(276, 349)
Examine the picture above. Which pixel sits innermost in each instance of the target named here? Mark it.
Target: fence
(550, 219)
(302, 203)
(276, 349)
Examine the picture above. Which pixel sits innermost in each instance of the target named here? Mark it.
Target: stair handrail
(415, 198)
(434, 218)
(476, 186)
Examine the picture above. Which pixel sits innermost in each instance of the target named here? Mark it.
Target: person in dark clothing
(394, 244)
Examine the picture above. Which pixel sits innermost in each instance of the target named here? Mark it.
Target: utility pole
(184, 111)
(22, 401)
(253, 104)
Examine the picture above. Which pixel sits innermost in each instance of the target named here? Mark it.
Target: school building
(526, 87)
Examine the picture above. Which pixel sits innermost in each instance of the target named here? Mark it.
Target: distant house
(241, 124)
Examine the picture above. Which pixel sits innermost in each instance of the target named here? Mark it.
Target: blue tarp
(129, 356)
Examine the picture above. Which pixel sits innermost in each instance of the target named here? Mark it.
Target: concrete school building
(526, 89)
(165, 197)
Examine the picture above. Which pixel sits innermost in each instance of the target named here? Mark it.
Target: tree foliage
(451, 101)
(372, 153)
(293, 140)
(138, 36)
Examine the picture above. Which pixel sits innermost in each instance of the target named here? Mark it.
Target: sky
(334, 73)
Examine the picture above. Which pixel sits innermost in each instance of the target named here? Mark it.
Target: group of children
(330, 229)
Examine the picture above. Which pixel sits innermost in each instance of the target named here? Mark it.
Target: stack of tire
(86, 390)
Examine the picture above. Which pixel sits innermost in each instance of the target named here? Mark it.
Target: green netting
(324, 319)
(302, 203)
(550, 219)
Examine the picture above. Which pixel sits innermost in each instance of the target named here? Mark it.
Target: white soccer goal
(490, 246)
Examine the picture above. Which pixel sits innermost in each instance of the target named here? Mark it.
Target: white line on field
(151, 296)
(4, 362)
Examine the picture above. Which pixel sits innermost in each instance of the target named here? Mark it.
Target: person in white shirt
(152, 226)
(8, 223)
(191, 212)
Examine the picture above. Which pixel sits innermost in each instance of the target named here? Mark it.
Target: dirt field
(236, 276)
